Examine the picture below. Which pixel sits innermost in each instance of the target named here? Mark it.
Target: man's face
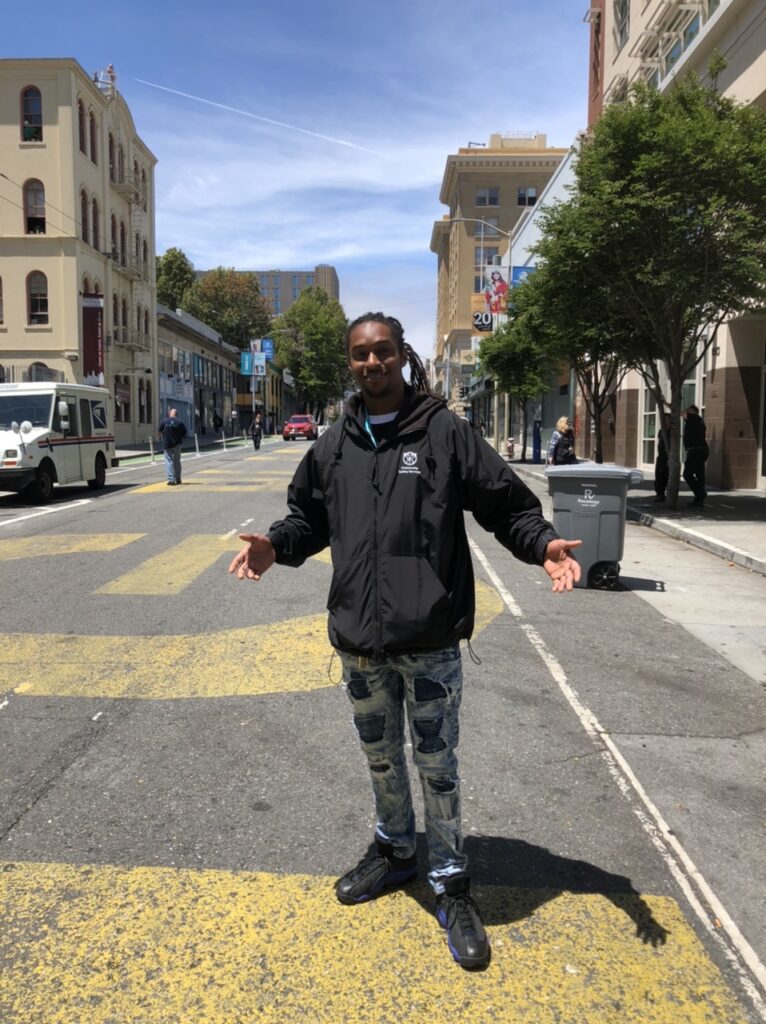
(376, 364)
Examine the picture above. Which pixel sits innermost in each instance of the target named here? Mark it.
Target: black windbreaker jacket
(393, 517)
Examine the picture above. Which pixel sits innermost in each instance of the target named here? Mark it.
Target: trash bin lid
(588, 470)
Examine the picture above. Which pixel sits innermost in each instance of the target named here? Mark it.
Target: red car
(300, 426)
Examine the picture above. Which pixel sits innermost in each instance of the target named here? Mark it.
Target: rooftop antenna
(105, 80)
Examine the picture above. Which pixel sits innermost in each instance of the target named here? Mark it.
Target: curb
(682, 533)
(699, 540)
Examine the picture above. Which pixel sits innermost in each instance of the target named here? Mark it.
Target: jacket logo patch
(409, 463)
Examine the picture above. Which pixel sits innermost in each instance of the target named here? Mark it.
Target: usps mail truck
(54, 434)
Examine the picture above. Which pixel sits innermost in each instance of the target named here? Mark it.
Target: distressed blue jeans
(173, 464)
(429, 686)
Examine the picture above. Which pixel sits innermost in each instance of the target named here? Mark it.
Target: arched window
(34, 207)
(37, 298)
(148, 401)
(115, 250)
(117, 401)
(81, 126)
(93, 138)
(145, 255)
(139, 319)
(95, 226)
(1, 301)
(31, 115)
(84, 215)
(115, 317)
(123, 254)
(97, 290)
(111, 157)
(144, 193)
(146, 323)
(135, 173)
(124, 321)
(86, 289)
(126, 399)
(120, 164)
(138, 251)
(141, 401)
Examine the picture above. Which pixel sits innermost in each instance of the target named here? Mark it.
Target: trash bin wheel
(604, 575)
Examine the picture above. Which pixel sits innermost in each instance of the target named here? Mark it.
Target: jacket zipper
(378, 643)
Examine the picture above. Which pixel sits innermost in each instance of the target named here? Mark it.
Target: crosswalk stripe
(160, 945)
(174, 569)
(51, 544)
(289, 656)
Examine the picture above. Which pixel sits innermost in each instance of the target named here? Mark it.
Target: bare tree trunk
(524, 427)
(674, 463)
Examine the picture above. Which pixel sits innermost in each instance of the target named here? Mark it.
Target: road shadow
(518, 877)
(11, 500)
(639, 583)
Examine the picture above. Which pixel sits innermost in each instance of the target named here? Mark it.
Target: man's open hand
(560, 566)
(255, 558)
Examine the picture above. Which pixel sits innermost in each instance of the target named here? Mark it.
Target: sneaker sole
(393, 881)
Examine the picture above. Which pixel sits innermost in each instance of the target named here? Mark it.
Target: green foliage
(230, 302)
(175, 275)
(310, 339)
(516, 356)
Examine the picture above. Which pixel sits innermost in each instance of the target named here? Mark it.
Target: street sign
(267, 347)
(246, 363)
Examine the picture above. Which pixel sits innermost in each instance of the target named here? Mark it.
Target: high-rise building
(77, 292)
(486, 188)
(282, 287)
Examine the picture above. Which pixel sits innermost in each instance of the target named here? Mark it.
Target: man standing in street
(697, 451)
(172, 431)
(387, 487)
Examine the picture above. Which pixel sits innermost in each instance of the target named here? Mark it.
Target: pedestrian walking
(256, 431)
(386, 487)
(664, 440)
(172, 431)
(696, 454)
(561, 445)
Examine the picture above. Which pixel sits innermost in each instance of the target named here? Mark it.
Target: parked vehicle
(54, 433)
(300, 426)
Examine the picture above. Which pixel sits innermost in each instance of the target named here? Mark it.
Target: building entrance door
(762, 452)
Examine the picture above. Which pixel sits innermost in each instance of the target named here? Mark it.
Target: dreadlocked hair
(418, 375)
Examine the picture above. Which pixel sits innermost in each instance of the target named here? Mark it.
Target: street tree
(175, 275)
(230, 302)
(579, 335)
(310, 339)
(517, 357)
(666, 222)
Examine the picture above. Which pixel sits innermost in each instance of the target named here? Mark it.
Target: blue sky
(392, 88)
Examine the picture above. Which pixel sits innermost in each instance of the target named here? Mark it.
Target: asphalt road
(181, 783)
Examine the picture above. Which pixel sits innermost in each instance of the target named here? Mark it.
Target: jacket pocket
(414, 606)
(350, 604)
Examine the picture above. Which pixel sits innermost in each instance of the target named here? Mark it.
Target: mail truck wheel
(99, 476)
(42, 488)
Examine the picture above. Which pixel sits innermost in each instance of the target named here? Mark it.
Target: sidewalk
(207, 443)
(732, 524)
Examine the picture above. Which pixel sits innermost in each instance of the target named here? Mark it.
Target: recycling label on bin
(589, 498)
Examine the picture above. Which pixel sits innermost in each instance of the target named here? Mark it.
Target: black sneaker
(458, 914)
(379, 869)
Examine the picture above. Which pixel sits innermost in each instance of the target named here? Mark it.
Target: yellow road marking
(277, 658)
(64, 544)
(108, 944)
(257, 486)
(174, 569)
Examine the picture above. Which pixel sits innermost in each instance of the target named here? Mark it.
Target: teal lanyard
(368, 428)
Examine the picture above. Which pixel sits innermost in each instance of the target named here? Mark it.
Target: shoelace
(364, 865)
(464, 910)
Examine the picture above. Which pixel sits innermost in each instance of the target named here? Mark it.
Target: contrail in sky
(257, 117)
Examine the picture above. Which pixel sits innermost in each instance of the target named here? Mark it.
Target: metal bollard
(223, 440)
(196, 443)
(151, 448)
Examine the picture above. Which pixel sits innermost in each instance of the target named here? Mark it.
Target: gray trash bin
(589, 503)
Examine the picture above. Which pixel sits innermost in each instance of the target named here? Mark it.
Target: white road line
(4, 704)
(46, 511)
(97, 715)
(246, 523)
(732, 943)
(230, 533)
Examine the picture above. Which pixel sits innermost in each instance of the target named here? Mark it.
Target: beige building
(77, 293)
(486, 189)
(654, 41)
(282, 287)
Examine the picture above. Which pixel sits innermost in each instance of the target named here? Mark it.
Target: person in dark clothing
(387, 487)
(256, 430)
(661, 462)
(172, 431)
(697, 451)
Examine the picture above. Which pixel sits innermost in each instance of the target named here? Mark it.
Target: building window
(650, 426)
(37, 298)
(125, 321)
(84, 215)
(483, 256)
(692, 30)
(712, 5)
(86, 289)
(145, 255)
(526, 196)
(488, 196)
(148, 401)
(93, 138)
(309, 280)
(123, 249)
(81, 127)
(95, 226)
(34, 207)
(673, 55)
(146, 323)
(295, 280)
(115, 317)
(1, 301)
(114, 238)
(126, 400)
(264, 282)
(31, 115)
(120, 164)
(144, 195)
(141, 402)
(111, 157)
(137, 249)
(486, 228)
(135, 173)
(621, 23)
